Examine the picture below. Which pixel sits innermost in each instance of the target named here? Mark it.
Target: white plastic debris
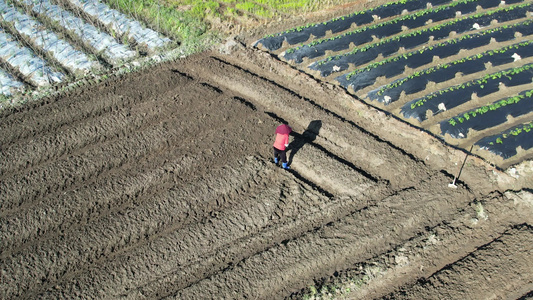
(336, 68)
(8, 84)
(387, 99)
(516, 57)
(476, 26)
(441, 107)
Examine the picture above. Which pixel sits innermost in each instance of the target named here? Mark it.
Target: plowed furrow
(501, 269)
(103, 238)
(58, 176)
(52, 145)
(340, 136)
(186, 256)
(21, 125)
(327, 172)
(50, 115)
(127, 185)
(286, 267)
(428, 253)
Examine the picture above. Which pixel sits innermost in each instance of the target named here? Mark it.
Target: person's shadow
(308, 136)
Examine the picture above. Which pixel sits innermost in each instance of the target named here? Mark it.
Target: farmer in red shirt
(281, 143)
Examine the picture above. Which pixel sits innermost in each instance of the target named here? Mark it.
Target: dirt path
(159, 184)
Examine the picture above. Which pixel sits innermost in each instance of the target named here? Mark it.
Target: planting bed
(160, 184)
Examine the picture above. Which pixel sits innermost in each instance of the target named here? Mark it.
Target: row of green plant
(526, 128)
(480, 82)
(490, 107)
(394, 21)
(447, 65)
(405, 56)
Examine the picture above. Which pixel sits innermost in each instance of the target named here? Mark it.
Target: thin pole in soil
(452, 185)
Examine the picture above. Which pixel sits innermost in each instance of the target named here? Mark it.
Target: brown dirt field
(159, 184)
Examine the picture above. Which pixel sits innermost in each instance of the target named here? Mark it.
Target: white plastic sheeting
(26, 62)
(121, 24)
(99, 41)
(72, 59)
(8, 84)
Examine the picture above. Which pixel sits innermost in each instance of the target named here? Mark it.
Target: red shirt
(281, 141)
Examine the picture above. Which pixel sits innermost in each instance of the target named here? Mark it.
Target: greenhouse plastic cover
(26, 62)
(121, 23)
(89, 34)
(8, 84)
(62, 51)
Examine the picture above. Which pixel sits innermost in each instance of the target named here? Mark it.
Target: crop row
(505, 144)
(387, 47)
(301, 34)
(35, 33)
(395, 65)
(453, 96)
(382, 30)
(488, 116)
(443, 72)
(121, 24)
(24, 61)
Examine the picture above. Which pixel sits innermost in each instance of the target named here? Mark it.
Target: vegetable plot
(461, 66)
(396, 65)
(387, 47)
(23, 60)
(364, 35)
(488, 116)
(444, 72)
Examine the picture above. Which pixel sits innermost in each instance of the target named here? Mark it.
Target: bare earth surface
(160, 184)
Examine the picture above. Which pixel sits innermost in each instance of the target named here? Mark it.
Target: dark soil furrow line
(285, 268)
(48, 115)
(100, 240)
(49, 146)
(131, 182)
(350, 142)
(501, 269)
(219, 240)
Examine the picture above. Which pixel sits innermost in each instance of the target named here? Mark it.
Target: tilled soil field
(160, 184)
